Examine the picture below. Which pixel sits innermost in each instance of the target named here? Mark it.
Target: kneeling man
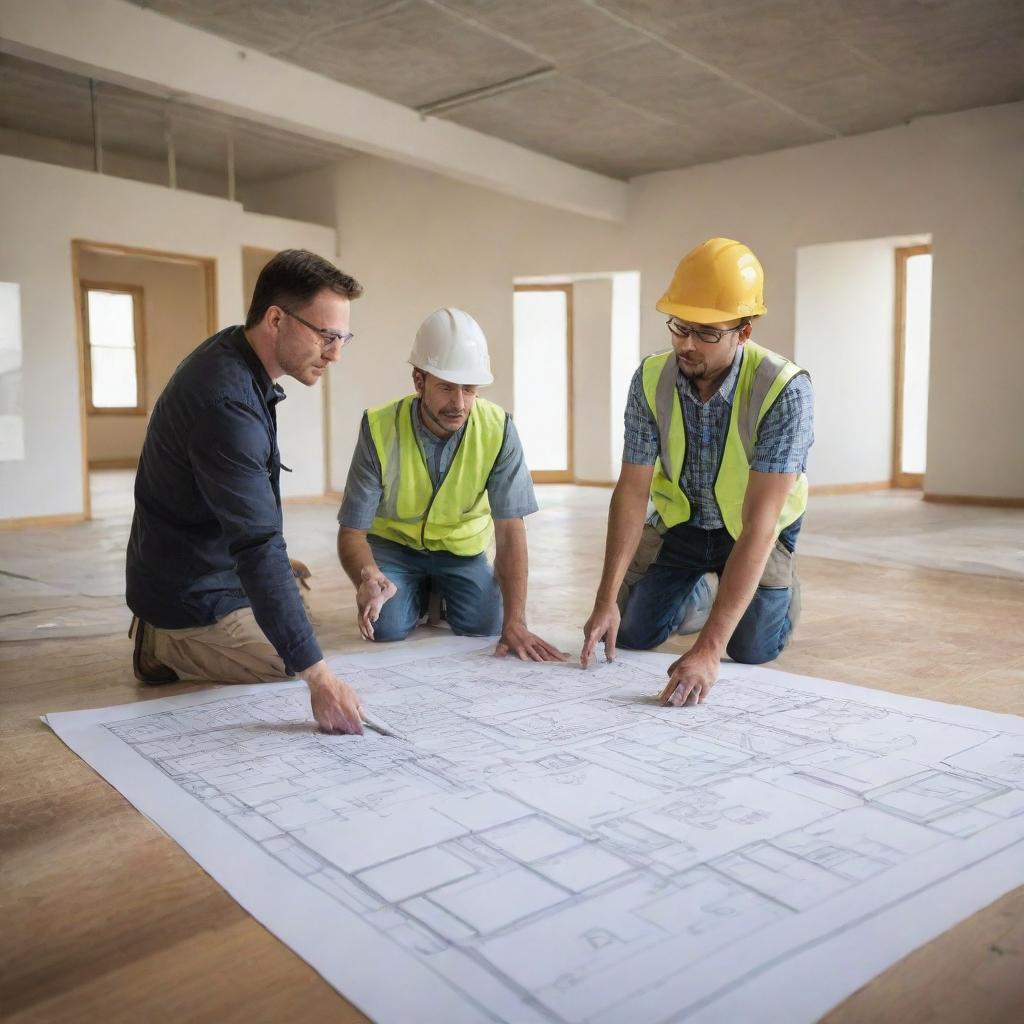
(717, 435)
(434, 477)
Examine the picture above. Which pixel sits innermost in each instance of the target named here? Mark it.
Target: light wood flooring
(106, 919)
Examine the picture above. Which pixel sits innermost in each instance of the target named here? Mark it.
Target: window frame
(137, 294)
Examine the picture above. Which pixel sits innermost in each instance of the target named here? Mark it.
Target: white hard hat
(451, 345)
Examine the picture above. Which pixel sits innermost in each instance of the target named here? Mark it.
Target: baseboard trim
(979, 500)
(44, 521)
(860, 488)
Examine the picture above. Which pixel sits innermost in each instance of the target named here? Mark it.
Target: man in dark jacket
(208, 575)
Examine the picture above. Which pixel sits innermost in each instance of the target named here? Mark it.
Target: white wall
(624, 357)
(417, 241)
(957, 177)
(592, 361)
(44, 207)
(844, 339)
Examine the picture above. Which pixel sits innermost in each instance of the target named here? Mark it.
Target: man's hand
(690, 678)
(515, 637)
(374, 589)
(336, 706)
(603, 624)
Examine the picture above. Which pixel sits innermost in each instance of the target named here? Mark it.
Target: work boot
(144, 662)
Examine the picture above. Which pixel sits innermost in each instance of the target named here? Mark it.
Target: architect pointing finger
(209, 578)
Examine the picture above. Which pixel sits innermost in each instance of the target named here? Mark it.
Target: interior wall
(592, 364)
(174, 316)
(957, 176)
(418, 241)
(844, 339)
(119, 165)
(42, 208)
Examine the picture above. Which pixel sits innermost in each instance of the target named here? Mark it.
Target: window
(112, 321)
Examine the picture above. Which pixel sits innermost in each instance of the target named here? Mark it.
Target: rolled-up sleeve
(786, 433)
(640, 442)
(363, 488)
(231, 454)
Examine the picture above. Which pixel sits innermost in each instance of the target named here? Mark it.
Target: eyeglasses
(709, 335)
(327, 336)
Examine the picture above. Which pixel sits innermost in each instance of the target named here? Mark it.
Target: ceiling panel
(636, 85)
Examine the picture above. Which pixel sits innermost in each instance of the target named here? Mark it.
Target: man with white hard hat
(717, 435)
(434, 477)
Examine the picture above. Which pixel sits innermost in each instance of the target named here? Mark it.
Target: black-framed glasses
(709, 335)
(327, 336)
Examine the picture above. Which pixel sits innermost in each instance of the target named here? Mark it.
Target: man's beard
(691, 371)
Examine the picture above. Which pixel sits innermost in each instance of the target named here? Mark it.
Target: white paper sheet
(550, 845)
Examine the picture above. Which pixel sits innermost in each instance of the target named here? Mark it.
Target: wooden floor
(106, 919)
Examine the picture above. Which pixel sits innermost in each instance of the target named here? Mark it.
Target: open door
(542, 337)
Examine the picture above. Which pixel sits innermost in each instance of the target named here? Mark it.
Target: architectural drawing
(551, 845)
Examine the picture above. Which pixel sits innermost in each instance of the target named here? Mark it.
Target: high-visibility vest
(456, 516)
(762, 376)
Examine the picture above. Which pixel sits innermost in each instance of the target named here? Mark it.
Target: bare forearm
(355, 554)
(511, 568)
(626, 515)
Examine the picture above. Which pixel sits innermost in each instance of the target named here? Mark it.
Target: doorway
(140, 312)
(912, 336)
(542, 337)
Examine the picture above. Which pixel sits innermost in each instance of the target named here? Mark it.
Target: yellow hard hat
(719, 280)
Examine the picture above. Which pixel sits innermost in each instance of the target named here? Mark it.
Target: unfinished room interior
(359, 706)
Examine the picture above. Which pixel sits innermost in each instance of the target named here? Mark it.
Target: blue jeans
(659, 600)
(466, 585)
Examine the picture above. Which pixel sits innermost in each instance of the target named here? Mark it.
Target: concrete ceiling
(43, 101)
(626, 87)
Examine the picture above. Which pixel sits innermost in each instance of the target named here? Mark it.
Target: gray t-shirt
(509, 487)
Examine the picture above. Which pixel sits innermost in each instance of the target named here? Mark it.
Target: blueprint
(548, 844)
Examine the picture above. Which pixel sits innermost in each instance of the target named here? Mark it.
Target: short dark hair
(293, 278)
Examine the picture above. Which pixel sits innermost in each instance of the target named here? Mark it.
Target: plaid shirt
(783, 439)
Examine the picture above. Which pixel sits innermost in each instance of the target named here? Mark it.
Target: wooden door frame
(567, 475)
(208, 264)
(902, 254)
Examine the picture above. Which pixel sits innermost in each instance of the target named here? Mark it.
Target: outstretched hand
(690, 678)
(518, 640)
(603, 624)
(336, 706)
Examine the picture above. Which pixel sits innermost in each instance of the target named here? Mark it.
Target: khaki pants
(232, 650)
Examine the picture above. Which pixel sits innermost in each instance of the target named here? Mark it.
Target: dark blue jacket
(206, 538)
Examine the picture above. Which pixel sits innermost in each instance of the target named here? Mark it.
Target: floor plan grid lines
(551, 845)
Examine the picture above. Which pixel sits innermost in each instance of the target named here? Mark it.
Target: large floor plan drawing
(548, 845)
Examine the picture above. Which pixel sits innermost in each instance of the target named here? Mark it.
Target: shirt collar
(271, 391)
(726, 389)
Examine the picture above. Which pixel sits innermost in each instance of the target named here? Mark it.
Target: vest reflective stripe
(455, 517)
(762, 376)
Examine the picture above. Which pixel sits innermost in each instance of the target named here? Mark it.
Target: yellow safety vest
(456, 516)
(762, 376)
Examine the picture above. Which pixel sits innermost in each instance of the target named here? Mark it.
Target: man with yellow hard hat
(717, 435)
(434, 477)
